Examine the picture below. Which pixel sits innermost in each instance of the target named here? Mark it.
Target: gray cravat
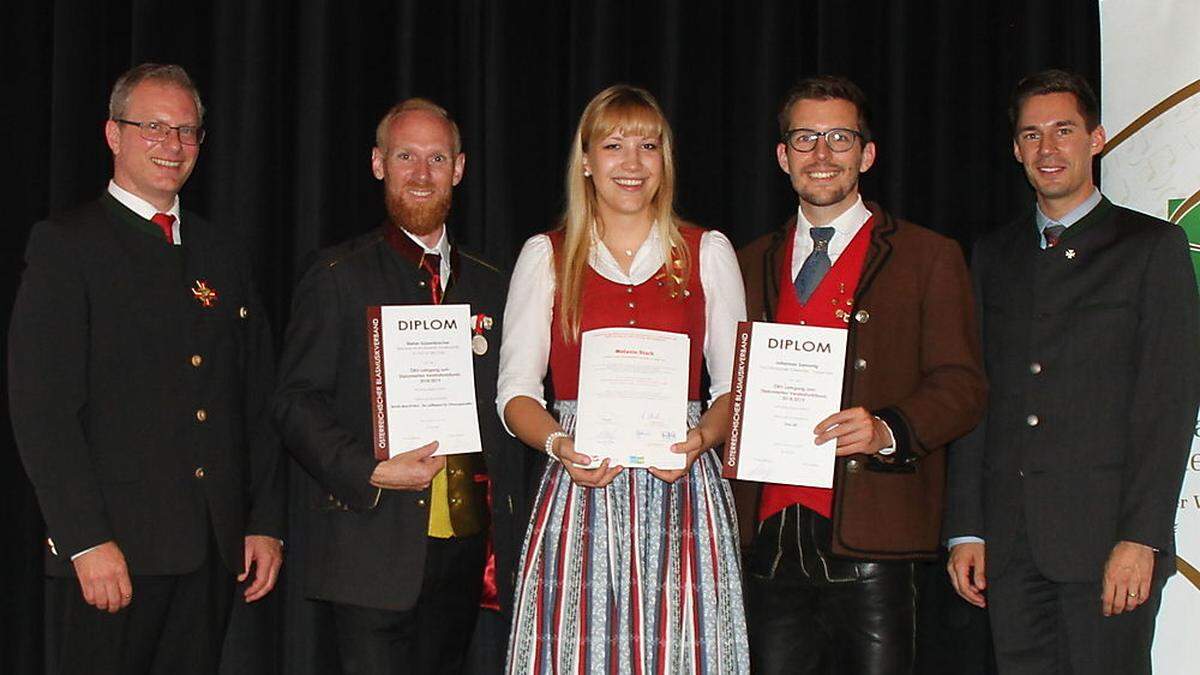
(815, 265)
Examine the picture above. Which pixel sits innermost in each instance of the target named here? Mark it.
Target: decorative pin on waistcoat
(1070, 254)
(203, 294)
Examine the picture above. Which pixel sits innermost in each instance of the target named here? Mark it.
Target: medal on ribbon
(479, 343)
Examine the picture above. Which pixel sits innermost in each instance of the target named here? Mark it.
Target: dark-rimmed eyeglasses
(805, 140)
(156, 131)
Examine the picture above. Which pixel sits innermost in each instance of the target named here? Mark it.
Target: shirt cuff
(889, 449)
(86, 550)
(969, 539)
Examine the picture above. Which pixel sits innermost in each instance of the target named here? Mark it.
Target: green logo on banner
(1190, 222)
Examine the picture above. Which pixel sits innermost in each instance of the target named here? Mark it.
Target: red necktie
(165, 221)
(1053, 233)
(432, 264)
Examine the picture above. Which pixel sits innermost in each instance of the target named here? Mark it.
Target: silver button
(633, 322)
(629, 289)
(853, 466)
(1032, 420)
(631, 305)
(455, 501)
(1035, 367)
(860, 365)
(421, 503)
(862, 316)
(199, 472)
(421, 284)
(243, 312)
(1020, 473)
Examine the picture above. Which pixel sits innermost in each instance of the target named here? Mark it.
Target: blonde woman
(623, 570)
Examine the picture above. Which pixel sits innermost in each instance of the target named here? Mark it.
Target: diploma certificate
(632, 402)
(422, 379)
(786, 379)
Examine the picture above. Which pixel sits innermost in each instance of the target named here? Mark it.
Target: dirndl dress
(641, 576)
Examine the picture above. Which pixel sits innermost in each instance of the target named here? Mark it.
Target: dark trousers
(174, 624)
(1042, 626)
(809, 612)
(433, 636)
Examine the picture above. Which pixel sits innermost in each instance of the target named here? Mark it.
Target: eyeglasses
(157, 132)
(805, 140)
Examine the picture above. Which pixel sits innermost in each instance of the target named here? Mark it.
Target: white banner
(1150, 99)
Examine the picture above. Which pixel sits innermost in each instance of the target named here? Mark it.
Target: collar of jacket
(880, 249)
(409, 251)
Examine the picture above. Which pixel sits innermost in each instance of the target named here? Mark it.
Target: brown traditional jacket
(913, 359)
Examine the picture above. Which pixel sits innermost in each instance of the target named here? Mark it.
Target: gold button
(243, 312)
(421, 503)
(201, 415)
(631, 305)
(456, 472)
(853, 466)
(197, 360)
(860, 365)
(633, 322)
(199, 472)
(455, 501)
(862, 316)
(629, 289)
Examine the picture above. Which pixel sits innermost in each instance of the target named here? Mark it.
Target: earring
(587, 174)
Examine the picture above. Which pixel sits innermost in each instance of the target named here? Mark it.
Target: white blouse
(525, 341)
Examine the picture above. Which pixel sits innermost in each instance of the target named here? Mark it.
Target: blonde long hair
(632, 111)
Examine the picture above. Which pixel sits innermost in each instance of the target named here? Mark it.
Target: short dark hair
(1055, 81)
(168, 73)
(825, 88)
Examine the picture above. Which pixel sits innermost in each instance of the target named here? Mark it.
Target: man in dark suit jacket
(397, 547)
(829, 573)
(140, 367)
(1062, 500)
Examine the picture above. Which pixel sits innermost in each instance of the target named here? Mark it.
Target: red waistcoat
(829, 306)
(608, 304)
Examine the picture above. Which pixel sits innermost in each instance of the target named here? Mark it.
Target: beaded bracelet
(549, 445)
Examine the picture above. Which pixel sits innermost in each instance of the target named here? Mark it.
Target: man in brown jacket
(829, 572)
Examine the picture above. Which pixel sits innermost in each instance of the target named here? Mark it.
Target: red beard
(420, 219)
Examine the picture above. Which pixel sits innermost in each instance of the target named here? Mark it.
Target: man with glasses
(140, 365)
(829, 573)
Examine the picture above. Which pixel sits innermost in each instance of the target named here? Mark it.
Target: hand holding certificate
(633, 387)
(787, 378)
(422, 379)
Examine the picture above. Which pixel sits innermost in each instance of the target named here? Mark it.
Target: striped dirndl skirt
(637, 577)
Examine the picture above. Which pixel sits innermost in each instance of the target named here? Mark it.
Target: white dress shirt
(442, 249)
(844, 227)
(525, 341)
(144, 208)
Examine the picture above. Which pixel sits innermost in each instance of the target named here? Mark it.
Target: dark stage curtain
(294, 90)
